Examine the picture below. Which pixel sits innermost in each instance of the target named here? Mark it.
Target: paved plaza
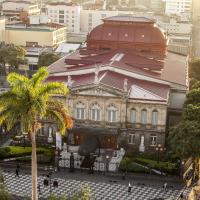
(21, 186)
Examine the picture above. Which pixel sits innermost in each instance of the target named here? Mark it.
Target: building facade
(35, 35)
(196, 30)
(66, 14)
(173, 26)
(178, 6)
(19, 9)
(92, 18)
(124, 88)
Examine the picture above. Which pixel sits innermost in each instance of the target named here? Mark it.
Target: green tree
(12, 55)
(185, 139)
(47, 58)
(29, 101)
(194, 69)
(4, 195)
(193, 97)
(192, 113)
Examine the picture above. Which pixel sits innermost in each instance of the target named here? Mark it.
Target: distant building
(178, 6)
(123, 3)
(2, 29)
(19, 10)
(92, 18)
(145, 3)
(196, 29)
(66, 14)
(157, 6)
(48, 35)
(175, 27)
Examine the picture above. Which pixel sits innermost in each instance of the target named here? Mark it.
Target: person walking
(165, 187)
(129, 187)
(17, 172)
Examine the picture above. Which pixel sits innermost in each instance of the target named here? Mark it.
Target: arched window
(133, 115)
(154, 117)
(95, 112)
(144, 116)
(80, 111)
(112, 113)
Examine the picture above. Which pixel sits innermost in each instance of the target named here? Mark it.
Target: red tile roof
(172, 69)
(149, 71)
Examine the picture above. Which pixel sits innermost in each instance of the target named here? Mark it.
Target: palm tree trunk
(34, 167)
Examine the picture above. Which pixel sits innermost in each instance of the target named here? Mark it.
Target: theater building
(125, 87)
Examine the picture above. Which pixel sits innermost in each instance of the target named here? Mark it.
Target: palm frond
(59, 107)
(7, 97)
(58, 119)
(8, 117)
(15, 79)
(39, 76)
(53, 88)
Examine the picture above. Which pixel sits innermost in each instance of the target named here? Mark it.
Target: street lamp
(159, 149)
(107, 163)
(57, 157)
(48, 181)
(25, 136)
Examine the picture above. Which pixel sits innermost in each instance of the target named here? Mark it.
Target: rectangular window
(154, 118)
(153, 140)
(95, 114)
(144, 117)
(61, 21)
(41, 131)
(80, 113)
(131, 139)
(133, 116)
(112, 115)
(61, 12)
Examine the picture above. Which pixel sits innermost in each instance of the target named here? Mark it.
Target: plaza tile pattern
(21, 186)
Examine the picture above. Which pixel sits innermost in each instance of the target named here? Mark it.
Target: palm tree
(29, 101)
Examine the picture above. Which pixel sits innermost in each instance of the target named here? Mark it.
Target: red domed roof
(126, 30)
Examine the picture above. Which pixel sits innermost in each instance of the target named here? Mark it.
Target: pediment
(98, 91)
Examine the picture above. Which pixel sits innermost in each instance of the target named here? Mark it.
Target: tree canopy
(184, 139)
(29, 101)
(12, 55)
(47, 58)
(194, 69)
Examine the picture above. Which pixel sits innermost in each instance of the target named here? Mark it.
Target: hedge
(128, 165)
(167, 167)
(17, 151)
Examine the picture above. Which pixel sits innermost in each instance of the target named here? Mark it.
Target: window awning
(94, 130)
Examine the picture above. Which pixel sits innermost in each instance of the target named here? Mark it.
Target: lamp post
(48, 181)
(57, 157)
(25, 136)
(159, 149)
(107, 163)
